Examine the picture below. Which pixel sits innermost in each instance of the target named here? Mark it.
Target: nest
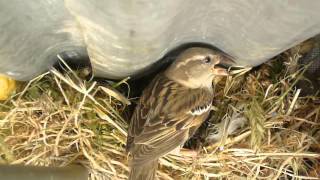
(58, 119)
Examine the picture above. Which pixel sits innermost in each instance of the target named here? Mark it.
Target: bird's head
(197, 67)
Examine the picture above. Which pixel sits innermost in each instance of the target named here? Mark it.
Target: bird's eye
(207, 60)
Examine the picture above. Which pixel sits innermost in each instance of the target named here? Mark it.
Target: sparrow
(172, 107)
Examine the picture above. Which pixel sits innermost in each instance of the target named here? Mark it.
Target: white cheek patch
(200, 110)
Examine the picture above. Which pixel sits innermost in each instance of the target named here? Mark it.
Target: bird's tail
(146, 171)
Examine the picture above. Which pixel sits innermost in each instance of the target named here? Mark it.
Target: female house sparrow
(172, 107)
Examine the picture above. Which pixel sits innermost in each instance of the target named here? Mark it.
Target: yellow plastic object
(7, 86)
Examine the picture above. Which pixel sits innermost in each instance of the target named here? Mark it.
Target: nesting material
(58, 119)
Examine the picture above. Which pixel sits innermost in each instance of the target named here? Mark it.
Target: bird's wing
(163, 117)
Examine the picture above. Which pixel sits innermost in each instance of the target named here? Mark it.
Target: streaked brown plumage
(172, 108)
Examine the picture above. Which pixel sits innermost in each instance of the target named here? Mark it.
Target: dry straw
(58, 119)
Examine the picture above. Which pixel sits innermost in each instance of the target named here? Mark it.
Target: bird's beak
(221, 69)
